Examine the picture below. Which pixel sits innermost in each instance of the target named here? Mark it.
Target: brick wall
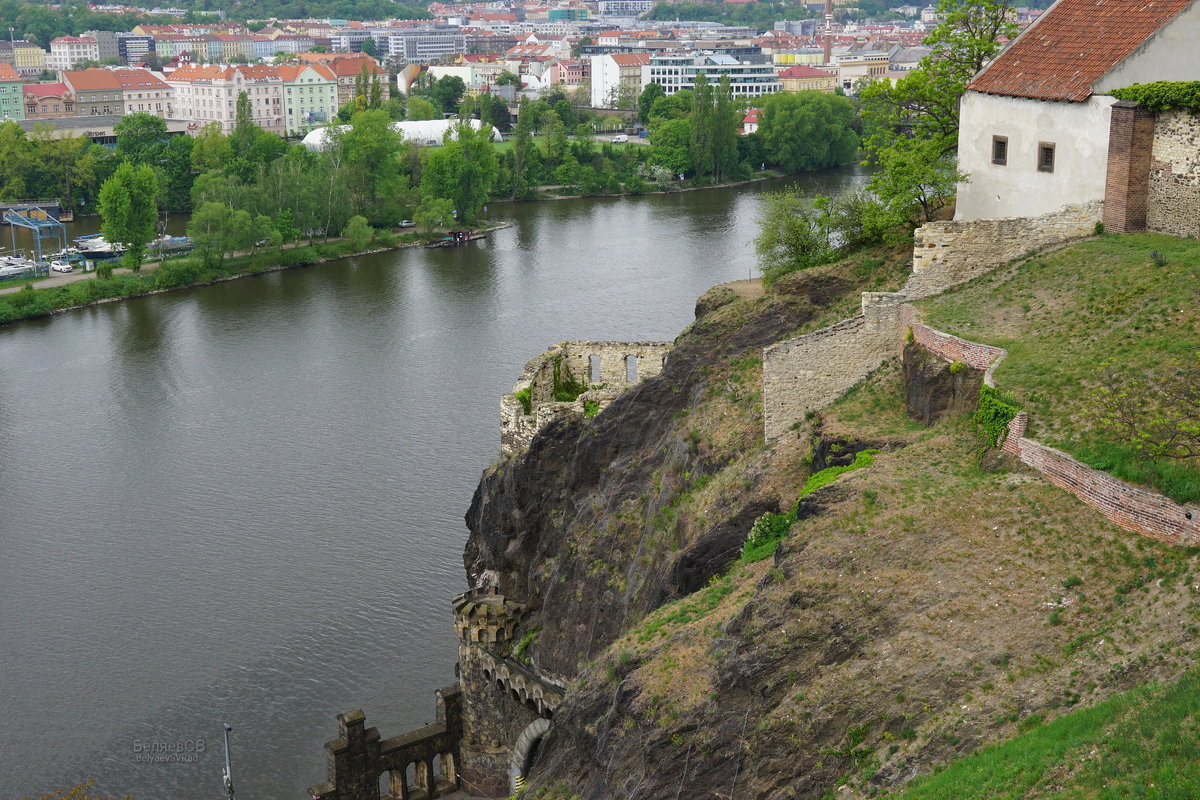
(948, 253)
(1127, 186)
(1133, 508)
(952, 348)
(1174, 175)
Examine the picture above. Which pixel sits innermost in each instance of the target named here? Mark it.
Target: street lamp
(228, 773)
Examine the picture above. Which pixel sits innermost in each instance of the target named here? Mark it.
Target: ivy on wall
(995, 411)
(1162, 95)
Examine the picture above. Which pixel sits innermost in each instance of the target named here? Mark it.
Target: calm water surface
(244, 502)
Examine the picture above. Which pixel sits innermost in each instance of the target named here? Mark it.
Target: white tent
(424, 132)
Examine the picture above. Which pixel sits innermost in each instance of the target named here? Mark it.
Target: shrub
(995, 411)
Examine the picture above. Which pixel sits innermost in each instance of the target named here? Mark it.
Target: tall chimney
(828, 32)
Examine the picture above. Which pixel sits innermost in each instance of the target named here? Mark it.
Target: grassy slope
(1063, 316)
(927, 611)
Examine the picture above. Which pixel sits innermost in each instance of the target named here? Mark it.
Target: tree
(210, 149)
(1155, 412)
(808, 130)
(359, 232)
(447, 92)
(368, 46)
(244, 128)
(646, 99)
(725, 132)
(128, 209)
(463, 171)
(791, 236)
(507, 78)
(918, 116)
(434, 212)
(913, 178)
(420, 108)
(141, 137)
(703, 113)
(670, 146)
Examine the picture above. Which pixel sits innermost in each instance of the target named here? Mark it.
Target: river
(243, 503)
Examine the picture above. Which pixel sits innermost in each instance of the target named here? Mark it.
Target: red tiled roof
(45, 89)
(804, 71)
(630, 59)
(1071, 46)
(751, 116)
(7, 73)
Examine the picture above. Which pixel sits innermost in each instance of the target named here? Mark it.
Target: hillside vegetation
(885, 621)
(1105, 321)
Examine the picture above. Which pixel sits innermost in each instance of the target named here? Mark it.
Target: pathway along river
(244, 502)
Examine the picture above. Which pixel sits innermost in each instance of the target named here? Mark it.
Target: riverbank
(71, 291)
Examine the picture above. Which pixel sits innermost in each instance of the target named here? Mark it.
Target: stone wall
(609, 379)
(1174, 203)
(946, 254)
(1133, 508)
(811, 371)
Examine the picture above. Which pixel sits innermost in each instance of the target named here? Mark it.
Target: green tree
(463, 170)
(507, 78)
(359, 232)
(244, 129)
(419, 108)
(434, 212)
(368, 46)
(141, 138)
(210, 149)
(913, 178)
(791, 236)
(703, 115)
(128, 206)
(725, 132)
(670, 146)
(918, 116)
(447, 93)
(646, 99)
(808, 130)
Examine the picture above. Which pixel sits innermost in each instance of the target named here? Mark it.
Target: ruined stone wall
(517, 428)
(811, 371)
(1174, 203)
(1133, 508)
(946, 254)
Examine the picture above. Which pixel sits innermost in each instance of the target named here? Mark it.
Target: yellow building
(803, 78)
(28, 58)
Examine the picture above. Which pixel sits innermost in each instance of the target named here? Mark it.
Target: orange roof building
(1035, 123)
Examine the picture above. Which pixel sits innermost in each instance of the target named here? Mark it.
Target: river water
(244, 502)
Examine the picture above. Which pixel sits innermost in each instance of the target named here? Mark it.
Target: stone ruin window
(631, 369)
(1000, 150)
(594, 368)
(1045, 157)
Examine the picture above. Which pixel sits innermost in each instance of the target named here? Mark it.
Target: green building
(12, 101)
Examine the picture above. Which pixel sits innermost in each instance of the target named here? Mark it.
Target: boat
(454, 239)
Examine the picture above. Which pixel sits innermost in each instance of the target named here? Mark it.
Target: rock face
(562, 525)
(935, 389)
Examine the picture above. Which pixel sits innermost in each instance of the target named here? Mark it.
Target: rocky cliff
(918, 607)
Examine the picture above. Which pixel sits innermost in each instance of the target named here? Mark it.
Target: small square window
(1045, 157)
(1000, 150)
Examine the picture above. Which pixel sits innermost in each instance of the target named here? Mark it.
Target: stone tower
(486, 622)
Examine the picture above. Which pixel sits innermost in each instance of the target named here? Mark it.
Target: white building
(678, 71)
(429, 132)
(66, 52)
(617, 75)
(209, 94)
(1034, 129)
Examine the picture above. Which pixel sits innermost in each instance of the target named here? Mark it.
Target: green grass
(1142, 743)
(695, 606)
(1116, 301)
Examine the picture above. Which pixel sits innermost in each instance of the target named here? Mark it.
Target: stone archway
(523, 750)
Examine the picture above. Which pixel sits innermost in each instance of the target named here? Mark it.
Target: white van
(620, 138)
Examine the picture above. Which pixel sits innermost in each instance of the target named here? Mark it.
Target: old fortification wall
(1174, 201)
(948, 253)
(811, 371)
(607, 367)
(1133, 508)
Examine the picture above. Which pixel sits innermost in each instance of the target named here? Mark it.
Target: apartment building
(209, 94)
(117, 92)
(12, 97)
(66, 52)
(678, 71)
(310, 97)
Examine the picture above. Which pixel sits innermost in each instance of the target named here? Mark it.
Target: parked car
(620, 138)
(407, 223)
(61, 266)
